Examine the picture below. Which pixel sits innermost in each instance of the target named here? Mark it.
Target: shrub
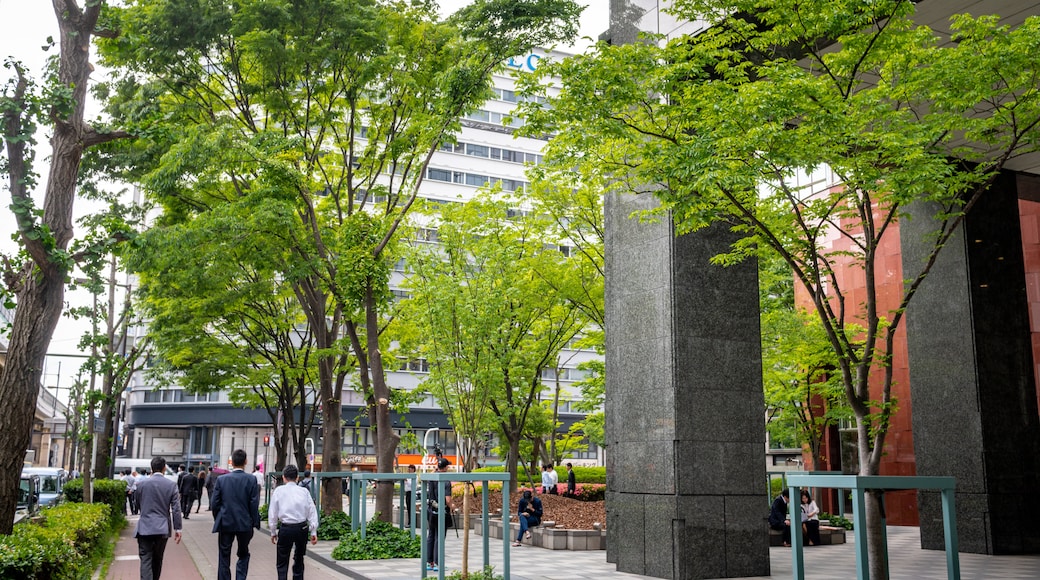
(73, 490)
(581, 474)
(382, 540)
(66, 542)
(265, 510)
(590, 492)
(488, 573)
(837, 521)
(111, 492)
(333, 526)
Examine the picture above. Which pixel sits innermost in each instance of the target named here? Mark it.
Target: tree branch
(92, 137)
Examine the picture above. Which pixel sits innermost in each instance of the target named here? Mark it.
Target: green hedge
(581, 474)
(66, 542)
(382, 541)
(111, 492)
(333, 526)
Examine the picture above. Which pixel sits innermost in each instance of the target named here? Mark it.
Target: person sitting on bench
(778, 518)
(529, 513)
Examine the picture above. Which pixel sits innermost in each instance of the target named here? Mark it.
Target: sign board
(167, 446)
(99, 425)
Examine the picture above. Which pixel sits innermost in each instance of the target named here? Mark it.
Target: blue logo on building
(527, 63)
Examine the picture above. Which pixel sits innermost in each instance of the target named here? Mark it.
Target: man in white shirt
(291, 518)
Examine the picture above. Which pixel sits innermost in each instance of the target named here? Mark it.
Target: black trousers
(151, 550)
(410, 508)
(812, 531)
(291, 536)
(431, 539)
(187, 501)
(224, 541)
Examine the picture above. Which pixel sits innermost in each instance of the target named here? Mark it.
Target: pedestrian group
(234, 499)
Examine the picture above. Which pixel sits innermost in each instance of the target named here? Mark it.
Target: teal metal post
(794, 514)
(859, 534)
(505, 527)
(484, 523)
(953, 564)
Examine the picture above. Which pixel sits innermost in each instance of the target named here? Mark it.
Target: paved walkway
(196, 557)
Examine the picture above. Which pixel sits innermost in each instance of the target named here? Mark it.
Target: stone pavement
(195, 558)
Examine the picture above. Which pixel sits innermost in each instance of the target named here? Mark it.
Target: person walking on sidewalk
(199, 488)
(292, 519)
(159, 505)
(189, 487)
(236, 513)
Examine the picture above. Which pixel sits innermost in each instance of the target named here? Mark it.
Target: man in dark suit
(778, 515)
(158, 502)
(189, 487)
(236, 513)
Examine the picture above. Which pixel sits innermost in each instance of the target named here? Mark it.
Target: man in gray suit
(236, 513)
(157, 502)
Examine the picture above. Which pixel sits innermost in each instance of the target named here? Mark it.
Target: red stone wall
(1029, 217)
(899, 443)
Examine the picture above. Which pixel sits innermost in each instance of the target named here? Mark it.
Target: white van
(140, 465)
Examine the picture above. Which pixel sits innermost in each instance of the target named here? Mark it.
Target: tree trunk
(876, 549)
(39, 307)
(40, 298)
(102, 456)
(512, 459)
(386, 439)
(465, 535)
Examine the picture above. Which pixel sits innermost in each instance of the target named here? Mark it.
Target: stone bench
(829, 535)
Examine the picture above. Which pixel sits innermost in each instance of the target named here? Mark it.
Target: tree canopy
(724, 125)
(489, 319)
(328, 112)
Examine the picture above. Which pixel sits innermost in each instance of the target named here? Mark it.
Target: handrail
(859, 484)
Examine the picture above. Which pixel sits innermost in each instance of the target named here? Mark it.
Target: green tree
(573, 206)
(37, 277)
(333, 109)
(720, 125)
(112, 358)
(489, 321)
(803, 393)
(221, 319)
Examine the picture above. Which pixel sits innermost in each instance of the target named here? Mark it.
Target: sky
(26, 24)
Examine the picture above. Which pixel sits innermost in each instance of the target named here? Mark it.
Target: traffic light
(267, 440)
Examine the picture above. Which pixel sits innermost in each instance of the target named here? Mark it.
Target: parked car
(52, 483)
(28, 496)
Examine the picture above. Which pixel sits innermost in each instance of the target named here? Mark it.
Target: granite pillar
(685, 420)
(971, 377)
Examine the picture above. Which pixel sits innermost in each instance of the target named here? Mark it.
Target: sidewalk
(196, 558)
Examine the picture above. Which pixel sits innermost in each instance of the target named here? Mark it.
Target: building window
(439, 175)
(476, 180)
(477, 150)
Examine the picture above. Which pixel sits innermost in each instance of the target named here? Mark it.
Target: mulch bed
(566, 512)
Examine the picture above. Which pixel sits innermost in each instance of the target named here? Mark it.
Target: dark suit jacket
(235, 502)
(189, 485)
(778, 513)
(158, 499)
